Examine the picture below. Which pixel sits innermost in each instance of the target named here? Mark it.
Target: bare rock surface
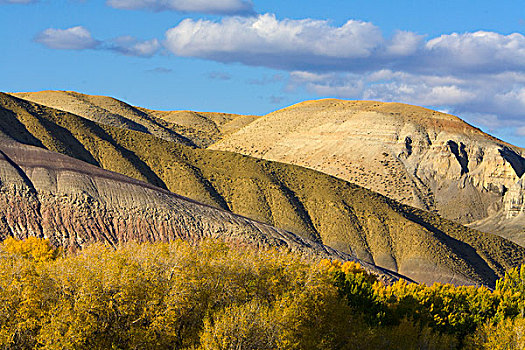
(319, 209)
(301, 204)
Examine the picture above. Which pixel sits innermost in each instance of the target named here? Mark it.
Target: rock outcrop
(430, 160)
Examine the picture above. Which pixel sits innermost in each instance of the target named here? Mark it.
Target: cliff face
(72, 203)
(420, 157)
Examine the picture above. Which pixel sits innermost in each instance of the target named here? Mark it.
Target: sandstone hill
(423, 158)
(315, 206)
(198, 129)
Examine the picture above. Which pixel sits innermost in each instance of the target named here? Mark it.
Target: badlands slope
(423, 158)
(315, 206)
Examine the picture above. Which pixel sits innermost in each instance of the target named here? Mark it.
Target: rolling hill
(198, 129)
(423, 158)
(315, 206)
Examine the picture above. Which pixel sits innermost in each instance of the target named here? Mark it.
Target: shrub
(33, 248)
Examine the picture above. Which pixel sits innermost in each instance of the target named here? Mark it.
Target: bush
(247, 326)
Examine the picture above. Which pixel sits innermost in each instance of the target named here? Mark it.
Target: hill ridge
(196, 129)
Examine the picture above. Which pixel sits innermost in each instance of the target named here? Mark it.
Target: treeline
(214, 295)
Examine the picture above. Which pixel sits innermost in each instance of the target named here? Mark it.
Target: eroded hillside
(430, 160)
(315, 206)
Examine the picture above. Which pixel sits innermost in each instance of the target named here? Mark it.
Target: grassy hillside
(347, 217)
(198, 129)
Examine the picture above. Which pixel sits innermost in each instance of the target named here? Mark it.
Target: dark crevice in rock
(463, 251)
(66, 141)
(14, 129)
(301, 212)
(461, 155)
(209, 187)
(408, 145)
(516, 161)
(138, 163)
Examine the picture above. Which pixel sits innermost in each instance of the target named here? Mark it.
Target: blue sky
(464, 57)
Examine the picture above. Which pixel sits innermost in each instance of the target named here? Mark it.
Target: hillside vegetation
(198, 129)
(322, 208)
(211, 295)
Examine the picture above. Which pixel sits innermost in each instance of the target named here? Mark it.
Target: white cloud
(75, 38)
(79, 38)
(266, 41)
(491, 121)
(404, 43)
(356, 46)
(511, 100)
(130, 46)
(480, 74)
(221, 7)
(490, 100)
(478, 51)
(329, 84)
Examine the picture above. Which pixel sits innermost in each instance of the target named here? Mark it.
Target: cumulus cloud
(130, 46)
(79, 38)
(480, 51)
(75, 38)
(479, 74)
(219, 7)
(490, 100)
(404, 43)
(355, 46)
(476, 74)
(266, 41)
(346, 85)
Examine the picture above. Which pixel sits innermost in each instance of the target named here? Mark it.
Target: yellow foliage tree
(212, 295)
(509, 334)
(33, 248)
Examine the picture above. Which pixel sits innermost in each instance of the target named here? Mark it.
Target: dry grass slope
(198, 129)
